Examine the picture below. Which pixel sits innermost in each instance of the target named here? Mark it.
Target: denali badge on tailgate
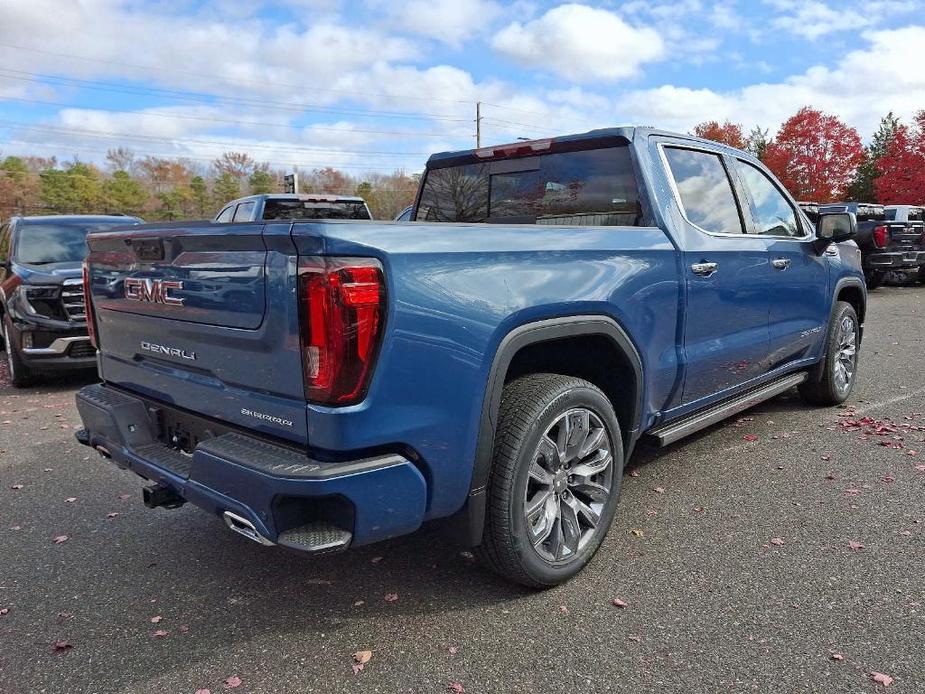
(152, 291)
(169, 351)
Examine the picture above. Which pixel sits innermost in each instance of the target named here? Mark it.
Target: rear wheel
(874, 278)
(20, 374)
(922, 274)
(840, 364)
(555, 481)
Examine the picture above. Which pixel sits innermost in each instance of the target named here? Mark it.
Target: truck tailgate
(181, 316)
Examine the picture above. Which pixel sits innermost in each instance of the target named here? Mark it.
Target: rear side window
(705, 190)
(595, 187)
(774, 216)
(244, 212)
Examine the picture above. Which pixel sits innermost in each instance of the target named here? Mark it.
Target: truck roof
(306, 197)
(623, 132)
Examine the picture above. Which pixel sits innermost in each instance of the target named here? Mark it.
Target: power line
(216, 78)
(186, 95)
(225, 120)
(281, 164)
(5, 124)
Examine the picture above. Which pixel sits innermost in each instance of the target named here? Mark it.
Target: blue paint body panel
(454, 292)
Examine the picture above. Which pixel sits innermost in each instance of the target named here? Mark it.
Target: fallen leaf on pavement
(391, 597)
(881, 678)
(363, 657)
(855, 546)
(112, 515)
(837, 656)
(634, 473)
(203, 691)
(750, 437)
(659, 490)
(636, 532)
(70, 500)
(456, 688)
(15, 486)
(617, 602)
(889, 478)
(4, 611)
(232, 682)
(453, 650)
(777, 541)
(375, 560)
(183, 628)
(156, 619)
(64, 616)
(58, 539)
(160, 633)
(60, 646)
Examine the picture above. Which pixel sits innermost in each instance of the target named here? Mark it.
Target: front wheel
(20, 374)
(555, 479)
(840, 363)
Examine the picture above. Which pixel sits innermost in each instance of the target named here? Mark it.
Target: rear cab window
(315, 209)
(593, 186)
(704, 190)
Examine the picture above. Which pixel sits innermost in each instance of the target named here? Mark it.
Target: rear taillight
(88, 306)
(342, 313)
(881, 236)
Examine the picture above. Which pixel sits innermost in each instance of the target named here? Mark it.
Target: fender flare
(466, 525)
(816, 372)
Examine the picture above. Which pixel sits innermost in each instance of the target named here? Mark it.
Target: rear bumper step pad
(246, 476)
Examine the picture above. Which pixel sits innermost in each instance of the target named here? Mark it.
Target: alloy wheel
(847, 354)
(569, 483)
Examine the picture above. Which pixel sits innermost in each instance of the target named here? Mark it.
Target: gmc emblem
(152, 291)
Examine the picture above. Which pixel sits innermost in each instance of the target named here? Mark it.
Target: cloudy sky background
(373, 85)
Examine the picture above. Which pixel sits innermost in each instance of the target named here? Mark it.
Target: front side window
(244, 212)
(43, 244)
(594, 187)
(773, 214)
(705, 190)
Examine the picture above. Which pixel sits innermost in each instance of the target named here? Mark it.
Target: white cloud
(580, 43)
(812, 19)
(859, 89)
(450, 21)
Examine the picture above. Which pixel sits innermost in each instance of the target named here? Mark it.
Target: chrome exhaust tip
(244, 527)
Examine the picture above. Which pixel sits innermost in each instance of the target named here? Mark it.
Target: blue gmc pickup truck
(490, 365)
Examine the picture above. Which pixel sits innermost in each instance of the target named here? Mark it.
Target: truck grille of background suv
(72, 300)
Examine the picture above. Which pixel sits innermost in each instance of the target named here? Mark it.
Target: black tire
(531, 407)
(825, 385)
(874, 278)
(921, 274)
(20, 374)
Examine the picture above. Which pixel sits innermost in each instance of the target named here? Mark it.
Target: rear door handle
(704, 269)
(780, 263)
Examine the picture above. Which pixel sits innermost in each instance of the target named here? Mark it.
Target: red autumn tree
(728, 133)
(902, 167)
(815, 155)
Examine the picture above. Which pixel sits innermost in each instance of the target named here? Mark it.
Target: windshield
(307, 209)
(40, 244)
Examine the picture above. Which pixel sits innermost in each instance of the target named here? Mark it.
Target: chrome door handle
(780, 263)
(704, 269)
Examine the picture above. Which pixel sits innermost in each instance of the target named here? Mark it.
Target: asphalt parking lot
(790, 563)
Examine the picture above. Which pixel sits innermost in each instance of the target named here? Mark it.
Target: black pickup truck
(891, 238)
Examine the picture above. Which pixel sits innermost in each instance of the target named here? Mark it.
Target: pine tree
(862, 189)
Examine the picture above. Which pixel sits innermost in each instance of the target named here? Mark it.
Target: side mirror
(835, 227)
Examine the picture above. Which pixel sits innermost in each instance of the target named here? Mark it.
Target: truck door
(800, 298)
(727, 276)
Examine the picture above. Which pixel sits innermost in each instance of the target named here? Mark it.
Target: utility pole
(478, 124)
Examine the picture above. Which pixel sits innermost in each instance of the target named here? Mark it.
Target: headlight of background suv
(39, 300)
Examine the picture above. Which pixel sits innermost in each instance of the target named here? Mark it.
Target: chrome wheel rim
(847, 354)
(569, 483)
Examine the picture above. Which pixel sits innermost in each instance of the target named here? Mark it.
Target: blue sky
(371, 85)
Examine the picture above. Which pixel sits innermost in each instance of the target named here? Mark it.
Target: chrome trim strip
(59, 346)
(244, 527)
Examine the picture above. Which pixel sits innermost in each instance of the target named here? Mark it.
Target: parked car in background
(41, 292)
(491, 366)
(890, 238)
(294, 206)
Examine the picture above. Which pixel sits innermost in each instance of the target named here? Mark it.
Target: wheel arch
(853, 291)
(514, 350)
